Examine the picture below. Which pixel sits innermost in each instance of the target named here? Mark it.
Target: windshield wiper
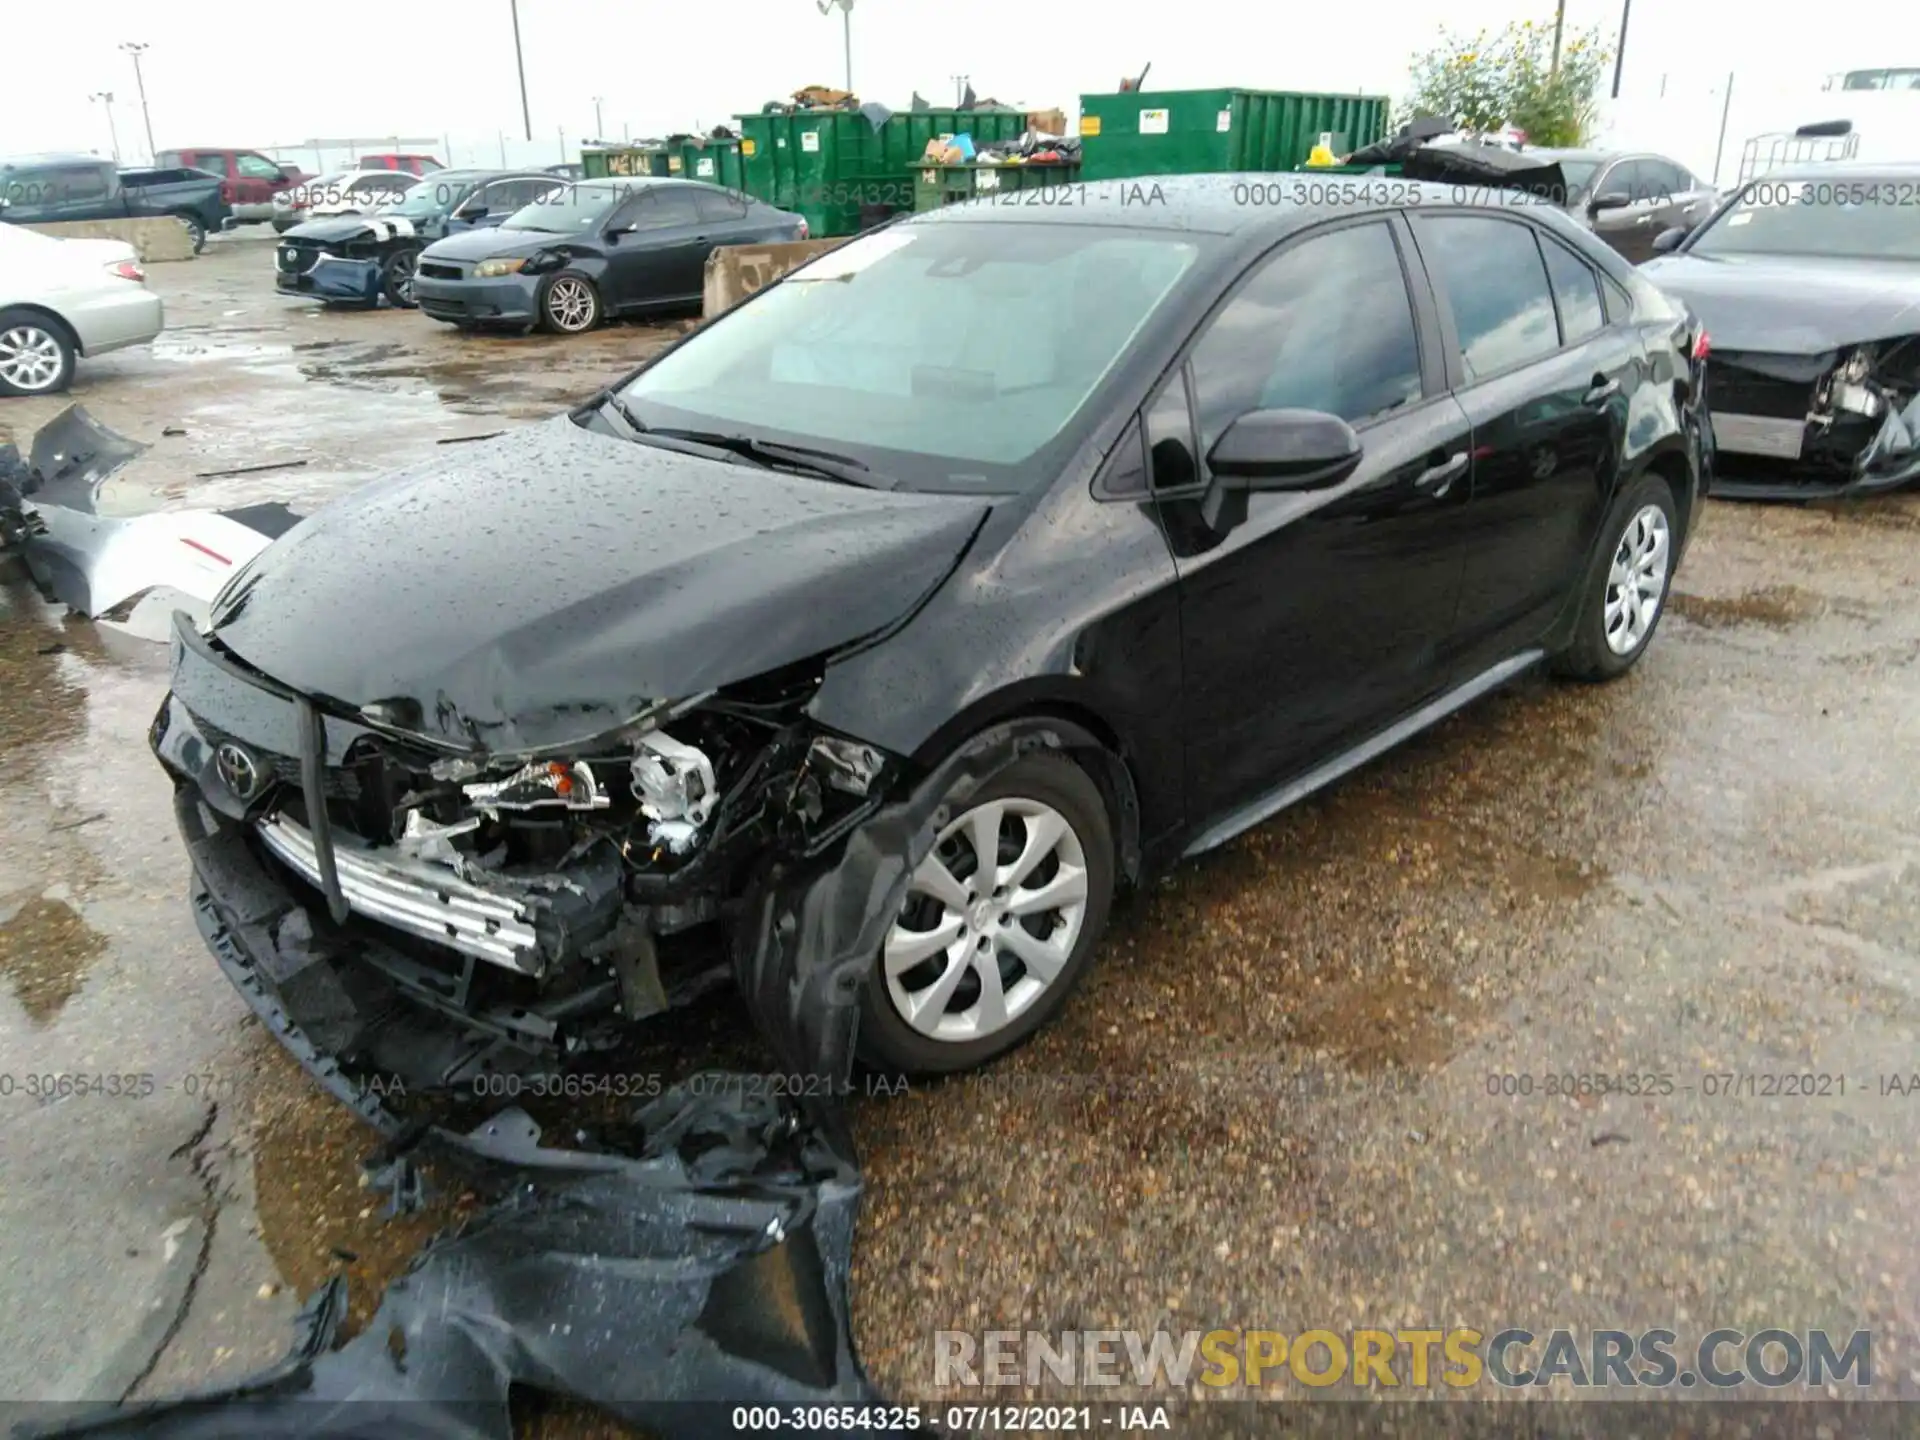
(609, 399)
(824, 463)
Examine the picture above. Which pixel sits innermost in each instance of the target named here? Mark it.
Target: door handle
(1439, 478)
(1603, 389)
(1644, 220)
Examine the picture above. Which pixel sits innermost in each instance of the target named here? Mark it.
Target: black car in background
(1808, 280)
(993, 560)
(1629, 198)
(360, 260)
(591, 250)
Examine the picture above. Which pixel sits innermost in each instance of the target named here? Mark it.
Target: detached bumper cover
(334, 278)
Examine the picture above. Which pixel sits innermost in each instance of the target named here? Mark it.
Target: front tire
(569, 304)
(1000, 923)
(1626, 588)
(396, 278)
(37, 354)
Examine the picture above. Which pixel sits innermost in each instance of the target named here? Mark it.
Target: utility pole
(520, 64)
(846, 22)
(598, 132)
(1559, 24)
(1620, 52)
(136, 51)
(960, 83)
(113, 131)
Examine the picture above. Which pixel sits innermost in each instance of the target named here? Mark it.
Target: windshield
(568, 209)
(959, 350)
(1859, 218)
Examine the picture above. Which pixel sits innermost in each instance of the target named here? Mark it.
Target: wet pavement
(1279, 1101)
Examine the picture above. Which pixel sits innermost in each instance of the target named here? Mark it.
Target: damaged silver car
(1808, 280)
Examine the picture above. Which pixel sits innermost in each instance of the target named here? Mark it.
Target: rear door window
(1493, 278)
(257, 167)
(1576, 290)
(719, 205)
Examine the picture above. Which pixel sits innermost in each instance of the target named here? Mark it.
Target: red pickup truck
(252, 180)
(405, 164)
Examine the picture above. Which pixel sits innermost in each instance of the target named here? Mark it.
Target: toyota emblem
(238, 770)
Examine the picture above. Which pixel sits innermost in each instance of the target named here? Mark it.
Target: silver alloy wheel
(403, 267)
(30, 357)
(1002, 898)
(570, 304)
(1637, 583)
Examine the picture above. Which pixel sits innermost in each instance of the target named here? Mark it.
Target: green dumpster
(1184, 132)
(623, 161)
(938, 185)
(828, 165)
(715, 162)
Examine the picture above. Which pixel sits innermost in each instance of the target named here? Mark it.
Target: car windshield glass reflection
(1857, 218)
(568, 210)
(974, 343)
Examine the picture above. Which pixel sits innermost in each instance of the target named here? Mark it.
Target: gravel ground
(1277, 1102)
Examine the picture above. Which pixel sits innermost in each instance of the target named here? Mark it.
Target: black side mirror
(1668, 240)
(1285, 450)
(1612, 200)
(616, 232)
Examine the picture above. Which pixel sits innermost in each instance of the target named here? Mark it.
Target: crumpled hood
(486, 242)
(1788, 305)
(332, 230)
(550, 585)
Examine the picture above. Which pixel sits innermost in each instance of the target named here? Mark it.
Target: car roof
(1845, 170)
(1225, 204)
(1555, 152)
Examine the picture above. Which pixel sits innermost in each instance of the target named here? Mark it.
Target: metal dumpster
(600, 164)
(715, 162)
(938, 185)
(1182, 132)
(827, 164)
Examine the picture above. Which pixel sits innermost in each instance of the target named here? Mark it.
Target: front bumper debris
(134, 572)
(692, 1260)
(334, 278)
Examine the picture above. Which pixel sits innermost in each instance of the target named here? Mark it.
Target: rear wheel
(569, 305)
(1626, 588)
(36, 354)
(1000, 922)
(396, 278)
(196, 231)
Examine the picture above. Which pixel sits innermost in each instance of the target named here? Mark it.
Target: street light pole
(1559, 24)
(598, 131)
(113, 131)
(520, 64)
(136, 50)
(1620, 51)
(846, 21)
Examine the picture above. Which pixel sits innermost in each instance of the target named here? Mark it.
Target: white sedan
(62, 299)
(345, 192)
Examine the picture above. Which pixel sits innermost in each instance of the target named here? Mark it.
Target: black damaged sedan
(866, 641)
(591, 251)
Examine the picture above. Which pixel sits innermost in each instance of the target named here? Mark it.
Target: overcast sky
(360, 68)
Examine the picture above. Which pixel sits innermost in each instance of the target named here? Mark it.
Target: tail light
(803, 230)
(128, 270)
(1702, 346)
(226, 192)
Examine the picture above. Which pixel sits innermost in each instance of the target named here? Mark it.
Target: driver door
(1319, 616)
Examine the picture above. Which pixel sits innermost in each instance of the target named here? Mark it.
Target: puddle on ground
(43, 698)
(1775, 607)
(46, 948)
